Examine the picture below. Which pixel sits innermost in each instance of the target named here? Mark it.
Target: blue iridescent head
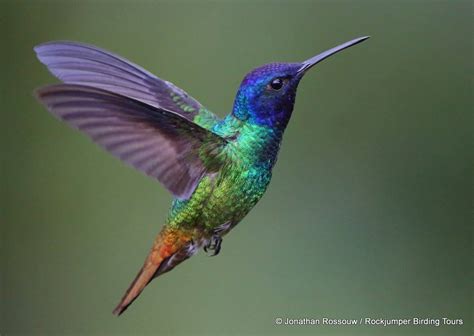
(267, 94)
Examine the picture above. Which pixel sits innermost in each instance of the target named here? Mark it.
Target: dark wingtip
(43, 91)
(39, 93)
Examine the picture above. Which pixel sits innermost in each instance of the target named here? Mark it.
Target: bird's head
(267, 94)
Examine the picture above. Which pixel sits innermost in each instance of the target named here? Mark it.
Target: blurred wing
(160, 143)
(76, 63)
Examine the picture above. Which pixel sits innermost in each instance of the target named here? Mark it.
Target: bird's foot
(213, 246)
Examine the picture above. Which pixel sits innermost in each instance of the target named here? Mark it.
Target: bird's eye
(276, 84)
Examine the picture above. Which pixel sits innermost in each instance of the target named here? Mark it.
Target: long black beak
(322, 56)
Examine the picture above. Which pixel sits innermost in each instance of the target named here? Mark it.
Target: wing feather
(160, 143)
(77, 63)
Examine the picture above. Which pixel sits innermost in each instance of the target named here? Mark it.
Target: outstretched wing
(160, 143)
(77, 63)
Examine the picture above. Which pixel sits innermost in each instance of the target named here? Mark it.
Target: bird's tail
(171, 247)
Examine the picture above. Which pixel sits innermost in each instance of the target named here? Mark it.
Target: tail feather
(171, 247)
(144, 276)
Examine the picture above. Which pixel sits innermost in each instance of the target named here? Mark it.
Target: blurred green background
(368, 213)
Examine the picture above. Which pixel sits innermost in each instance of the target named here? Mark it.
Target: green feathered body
(224, 197)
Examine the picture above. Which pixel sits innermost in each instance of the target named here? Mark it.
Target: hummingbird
(216, 169)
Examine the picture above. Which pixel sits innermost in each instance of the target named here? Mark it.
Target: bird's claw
(213, 245)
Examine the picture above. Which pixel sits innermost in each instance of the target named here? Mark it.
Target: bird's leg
(217, 247)
(213, 245)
